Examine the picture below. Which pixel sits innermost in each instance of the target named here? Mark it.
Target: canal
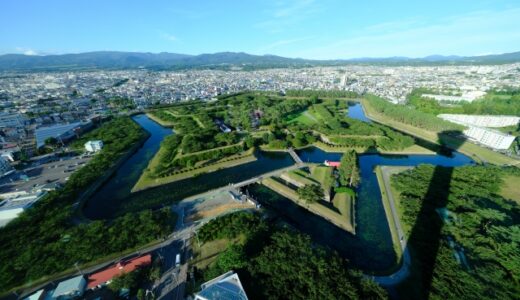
(370, 249)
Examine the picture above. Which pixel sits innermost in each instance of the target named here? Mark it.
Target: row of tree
(479, 223)
(44, 240)
(276, 263)
(407, 115)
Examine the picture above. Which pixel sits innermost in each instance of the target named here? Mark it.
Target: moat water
(370, 249)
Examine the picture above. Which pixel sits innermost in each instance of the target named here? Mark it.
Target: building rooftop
(128, 266)
(224, 287)
(69, 286)
(21, 201)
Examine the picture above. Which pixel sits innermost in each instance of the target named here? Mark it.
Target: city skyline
(308, 29)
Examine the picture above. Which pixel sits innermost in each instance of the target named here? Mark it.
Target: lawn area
(208, 252)
(510, 188)
(474, 151)
(317, 208)
(304, 117)
(160, 121)
(323, 175)
(300, 177)
(386, 204)
(146, 181)
(414, 149)
(345, 204)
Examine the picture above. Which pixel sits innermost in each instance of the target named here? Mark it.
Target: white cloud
(288, 13)
(26, 51)
(169, 37)
(280, 43)
(468, 34)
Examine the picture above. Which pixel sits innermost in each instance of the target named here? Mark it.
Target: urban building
(490, 138)
(481, 120)
(94, 146)
(15, 203)
(104, 277)
(5, 166)
(13, 120)
(62, 132)
(70, 289)
(225, 286)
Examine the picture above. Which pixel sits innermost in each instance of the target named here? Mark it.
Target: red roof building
(334, 164)
(109, 273)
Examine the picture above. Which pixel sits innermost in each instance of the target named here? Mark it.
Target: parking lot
(37, 175)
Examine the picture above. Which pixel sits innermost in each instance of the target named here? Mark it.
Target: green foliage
(121, 103)
(311, 193)
(275, 263)
(228, 226)
(496, 102)
(409, 115)
(482, 223)
(349, 169)
(233, 258)
(44, 240)
(290, 267)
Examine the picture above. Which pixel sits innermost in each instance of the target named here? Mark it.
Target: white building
(5, 166)
(481, 120)
(94, 146)
(70, 288)
(225, 286)
(490, 138)
(15, 203)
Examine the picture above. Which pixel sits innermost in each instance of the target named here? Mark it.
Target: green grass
(159, 120)
(323, 175)
(510, 188)
(304, 117)
(147, 181)
(333, 216)
(345, 204)
(208, 252)
(299, 176)
(388, 212)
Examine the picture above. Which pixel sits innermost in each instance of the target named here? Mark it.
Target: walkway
(295, 156)
(404, 270)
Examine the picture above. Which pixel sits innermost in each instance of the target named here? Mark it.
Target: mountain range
(221, 60)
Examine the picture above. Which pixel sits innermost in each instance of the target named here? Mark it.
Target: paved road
(170, 246)
(404, 271)
(173, 281)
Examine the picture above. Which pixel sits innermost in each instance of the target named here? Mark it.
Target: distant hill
(163, 60)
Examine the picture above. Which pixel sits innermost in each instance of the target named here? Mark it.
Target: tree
(51, 142)
(141, 294)
(311, 193)
(349, 169)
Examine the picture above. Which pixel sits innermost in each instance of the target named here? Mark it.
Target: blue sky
(319, 29)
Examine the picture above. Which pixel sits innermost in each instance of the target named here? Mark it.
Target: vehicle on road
(178, 260)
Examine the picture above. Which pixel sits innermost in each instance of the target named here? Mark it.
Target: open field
(305, 117)
(160, 121)
(218, 210)
(342, 221)
(145, 181)
(300, 178)
(345, 204)
(474, 151)
(510, 189)
(414, 149)
(208, 252)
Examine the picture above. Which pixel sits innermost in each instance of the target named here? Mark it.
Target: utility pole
(77, 268)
